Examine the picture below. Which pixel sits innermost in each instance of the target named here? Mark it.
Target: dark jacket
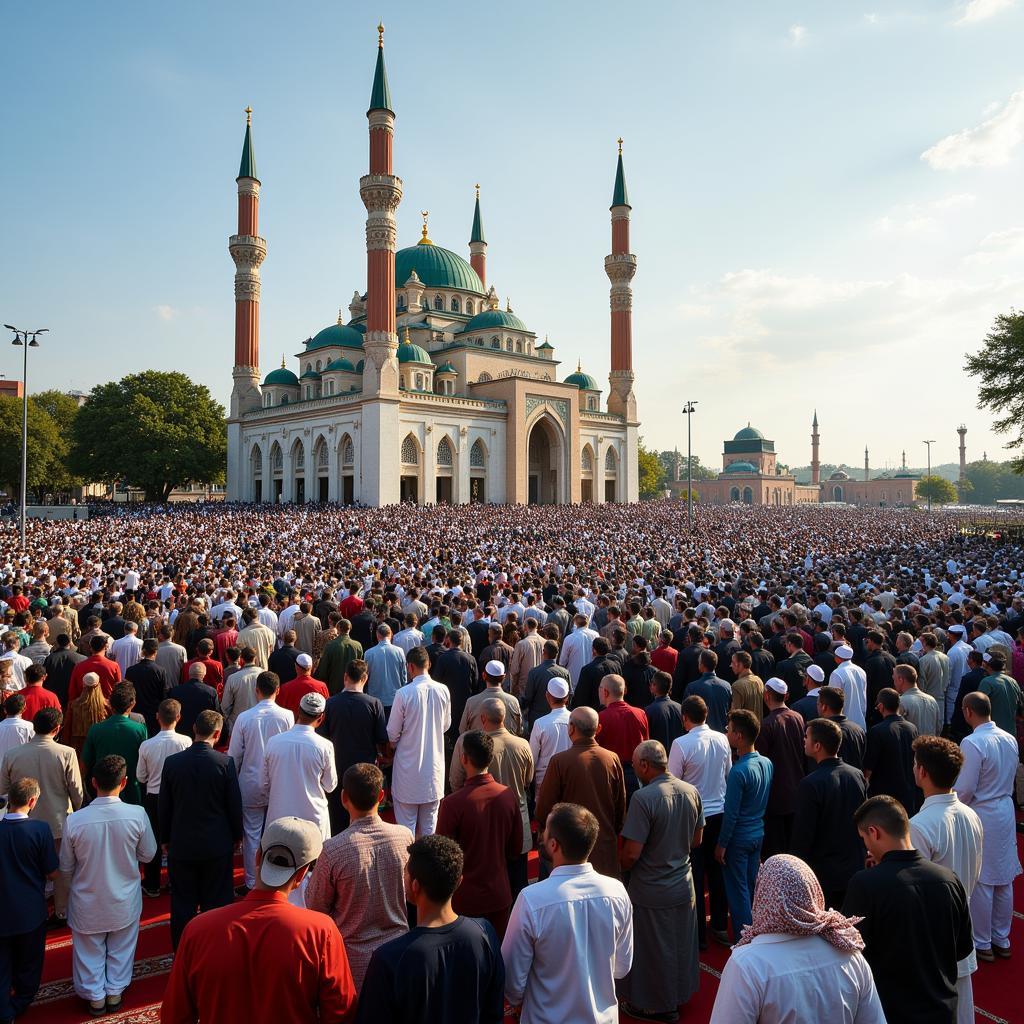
(878, 668)
(364, 629)
(717, 694)
(282, 661)
(762, 664)
(889, 757)
(638, 673)
(687, 669)
(59, 665)
(794, 671)
(151, 683)
(725, 649)
(589, 682)
(193, 697)
(534, 699)
(200, 807)
(460, 673)
(781, 740)
(851, 750)
(478, 636)
(664, 721)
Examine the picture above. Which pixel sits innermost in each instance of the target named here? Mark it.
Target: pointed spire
(425, 240)
(815, 423)
(477, 234)
(248, 165)
(620, 197)
(282, 361)
(380, 96)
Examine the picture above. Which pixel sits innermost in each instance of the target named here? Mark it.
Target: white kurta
(549, 736)
(420, 716)
(985, 784)
(853, 681)
(298, 773)
(248, 747)
(577, 651)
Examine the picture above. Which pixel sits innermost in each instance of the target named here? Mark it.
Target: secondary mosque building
(430, 391)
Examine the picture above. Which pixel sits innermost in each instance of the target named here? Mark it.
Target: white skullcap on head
(816, 672)
(844, 651)
(777, 685)
(495, 668)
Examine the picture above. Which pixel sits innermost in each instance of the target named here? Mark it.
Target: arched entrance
(837, 493)
(748, 496)
(544, 463)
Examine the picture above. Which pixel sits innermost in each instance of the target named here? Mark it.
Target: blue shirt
(385, 664)
(717, 694)
(28, 855)
(746, 797)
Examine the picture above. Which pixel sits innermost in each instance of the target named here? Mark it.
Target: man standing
(494, 677)
(447, 968)
(747, 689)
(949, 833)
(550, 733)
(30, 859)
(200, 814)
(578, 649)
(584, 694)
(150, 682)
(385, 664)
(534, 701)
(119, 735)
(916, 924)
(985, 784)
(59, 665)
(336, 655)
(248, 749)
(889, 754)
(37, 696)
(459, 672)
(100, 853)
(623, 726)
(570, 937)
(240, 687)
(169, 655)
(831, 704)
(716, 693)
(853, 681)
(742, 831)
(358, 879)
(152, 755)
(664, 715)
(528, 654)
(915, 705)
(420, 716)
(127, 650)
(664, 821)
(824, 835)
(781, 740)
(292, 692)
(15, 731)
(934, 674)
(878, 666)
(262, 639)
(282, 661)
(1001, 689)
(194, 697)
(306, 981)
(306, 626)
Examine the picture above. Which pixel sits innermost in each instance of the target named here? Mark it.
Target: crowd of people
(788, 726)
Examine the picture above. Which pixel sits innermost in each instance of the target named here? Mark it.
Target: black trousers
(778, 831)
(151, 871)
(517, 875)
(336, 810)
(705, 867)
(21, 968)
(198, 885)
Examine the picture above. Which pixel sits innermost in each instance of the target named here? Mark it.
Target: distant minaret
(904, 463)
(478, 244)
(962, 431)
(815, 464)
(867, 471)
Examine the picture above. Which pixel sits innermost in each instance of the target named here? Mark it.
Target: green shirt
(1005, 695)
(337, 656)
(117, 735)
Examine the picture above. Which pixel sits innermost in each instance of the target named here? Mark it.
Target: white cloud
(166, 313)
(920, 218)
(989, 144)
(998, 245)
(797, 34)
(980, 10)
(871, 19)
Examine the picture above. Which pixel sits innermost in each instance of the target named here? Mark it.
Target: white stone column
(428, 474)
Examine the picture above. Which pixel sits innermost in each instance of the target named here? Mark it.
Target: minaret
(478, 244)
(867, 471)
(962, 431)
(904, 463)
(381, 193)
(620, 267)
(248, 251)
(815, 464)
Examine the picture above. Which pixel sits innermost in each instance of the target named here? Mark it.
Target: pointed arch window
(348, 452)
(321, 455)
(410, 451)
(587, 460)
(439, 302)
(610, 461)
(477, 455)
(300, 456)
(456, 305)
(469, 306)
(445, 456)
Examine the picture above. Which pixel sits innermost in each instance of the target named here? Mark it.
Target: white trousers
(101, 963)
(964, 1000)
(252, 832)
(419, 819)
(991, 915)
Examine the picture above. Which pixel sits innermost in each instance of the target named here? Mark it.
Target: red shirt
(108, 670)
(222, 641)
(214, 672)
(19, 603)
(351, 606)
(223, 970)
(37, 697)
(623, 729)
(484, 819)
(664, 658)
(295, 689)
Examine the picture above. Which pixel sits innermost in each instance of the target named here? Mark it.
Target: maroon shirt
(483, 817)
(781, 740)
(623, 729)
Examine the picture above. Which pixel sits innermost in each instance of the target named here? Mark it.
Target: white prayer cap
(816, 673)
(728, 625)
(957, 628)
(844, 651)
(777, 685)
(495, 668)
(313, 703)
(304, 661)
(558, 688)
(986, 656)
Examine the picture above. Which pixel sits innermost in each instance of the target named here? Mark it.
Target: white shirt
(18, 665)
(949, 833)
(793, 979)
(853, 681)
(13, 733)
(703, 758)
(549, 736)
(407, 639)
(126, 651)
(420, 716)
(957, 655)
(568, 939)
(268, 618)
(585, 607)
(248, 746)
(985, 784)
(152, 754)
(577, 651)
(284, 620)
(100, 852)
(298, 773)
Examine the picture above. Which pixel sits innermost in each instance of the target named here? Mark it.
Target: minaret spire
(867, 471)
(815, 464)
(620, 267)
(478, 244)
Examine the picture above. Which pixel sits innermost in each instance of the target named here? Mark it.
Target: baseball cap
(816, 672)
(304, 661)
(313, 703)
(844, 651)
(558, 688)
(777, 685)
(288, 844)
(495, 668)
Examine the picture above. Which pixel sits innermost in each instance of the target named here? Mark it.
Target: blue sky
(826, 196)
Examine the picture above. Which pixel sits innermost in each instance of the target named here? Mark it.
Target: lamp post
(27, 340)
(928, 445)
(688, 412)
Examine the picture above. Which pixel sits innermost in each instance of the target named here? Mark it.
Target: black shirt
(916, 927)
(664, 721)
(794, 671)
(589, 682)
(282, 662)
(851, 750)
(889, 756)
(354, 722)
(452, 973)
(151, 682)
(193, 697)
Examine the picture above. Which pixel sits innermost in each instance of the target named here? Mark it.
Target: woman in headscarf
(84, 712)
(797, 961)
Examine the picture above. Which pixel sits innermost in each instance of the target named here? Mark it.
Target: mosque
(430, 391)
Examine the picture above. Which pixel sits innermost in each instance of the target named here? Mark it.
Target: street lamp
(929, 444)
(22, 338)
(688, 413)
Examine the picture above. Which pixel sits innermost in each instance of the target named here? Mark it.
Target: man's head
(110, 775)
(742, 729)
(311, 709)
(362, 788)
(492, 714)
(904, 677)
(22, 795)
(168, 713)
(661, 683)
(477, 751)
(288, 846)
(775, 691)
(887, 702)
(14, 705)
(740, 663)
(149, 648)
(695, 712)
(583, 724)
(883, 826)
(977, 708)
(34, 675)
(208, 726)
(122, 698)
(831, 701)
(649, 760)
(937, 763)
(47, 721)
(433, 871)
(494, 673)
(417, 662)
(570, 833)
(303, 666)
(822, 739)
(612, 689)
(557, 692)
(708, 661)
(356, 672)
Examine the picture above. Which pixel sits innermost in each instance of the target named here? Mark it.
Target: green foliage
(60, 482)
(652, 472)
(154, 430)
(681, 495)
(941, 491)
(698, 472)
(989, 481)
(999, 366)
(43, 444)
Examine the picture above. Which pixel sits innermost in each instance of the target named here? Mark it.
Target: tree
(652, 472)
(154, 430)
(940, 490)
(43, 441)
(681, 495)
(697, 471)
(63, 410)
(1000, 368)
(987, 481)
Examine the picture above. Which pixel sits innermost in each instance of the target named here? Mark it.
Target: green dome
(282, 376)
(310, 374)
(410, 353)
(741, 467)
(447, 368)
(341, 363)
(583, 381)
(336, 334)
(489, 318)
(749, 433)
(436, 268)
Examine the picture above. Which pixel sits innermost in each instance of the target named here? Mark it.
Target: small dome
(839, 475)
(337, 334)
(447, 368)
(341, 363)
(749, 433)
(490, 318)
(582, 380)
(410, 353)
(436, 268)
(310, 374)
(281, 376)
(741, 467)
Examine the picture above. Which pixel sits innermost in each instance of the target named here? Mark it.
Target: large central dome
(436, 268)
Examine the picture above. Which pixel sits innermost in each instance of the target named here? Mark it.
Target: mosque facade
(428, 390)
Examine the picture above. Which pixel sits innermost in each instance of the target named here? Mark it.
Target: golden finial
(425, 240)
(620, 146)
(579, 365)
(406, 338)
(341, 317)
(282, 361)
(248, 116)
(380, 35)
(477, 187)
(508, 304)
